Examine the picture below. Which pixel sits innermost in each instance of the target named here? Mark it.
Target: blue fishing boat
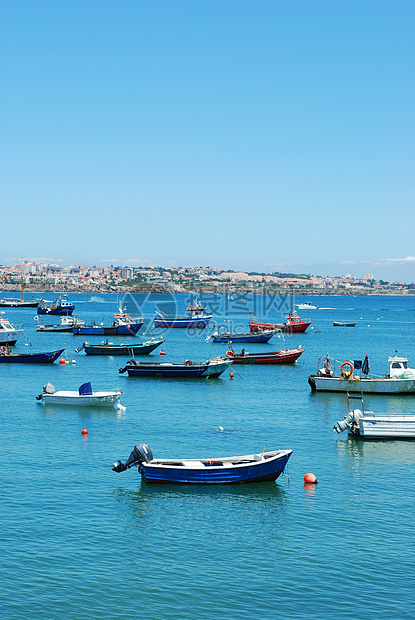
(30, 358)
(224, 470)
(189, 370)
(61, 307)
(196, 317)
(123, 325)
(249, 337)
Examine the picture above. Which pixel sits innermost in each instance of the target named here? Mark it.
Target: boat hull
(208, 472)
(111, 330)
(363, 385)
(199, 323)
(187, 371)
(276, 357)
(251, 337)
(102, 399)
(17, 303)
(9, 338)
(291, 328)
(39, 358)
(58, 311)
(385, 427)
(135, 349)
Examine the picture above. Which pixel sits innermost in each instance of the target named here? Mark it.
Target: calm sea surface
(80, 541)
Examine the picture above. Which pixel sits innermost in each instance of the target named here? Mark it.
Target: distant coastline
(146, 288)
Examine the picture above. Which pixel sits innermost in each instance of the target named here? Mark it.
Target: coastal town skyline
(187, 279)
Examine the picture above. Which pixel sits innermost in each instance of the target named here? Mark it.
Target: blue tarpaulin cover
(357, 364)
(85, 389)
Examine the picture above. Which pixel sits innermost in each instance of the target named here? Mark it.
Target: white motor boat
(306, 306)
(370, 425)
(351, 378)
(84, 396)
(8, 333)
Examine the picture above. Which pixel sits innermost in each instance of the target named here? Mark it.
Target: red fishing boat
(292, 325)
(287, 356)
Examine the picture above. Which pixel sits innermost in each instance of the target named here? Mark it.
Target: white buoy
(73, 361)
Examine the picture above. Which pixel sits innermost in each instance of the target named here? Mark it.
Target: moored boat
(293, 324)
(61, 307)
(262, 336)
(30, 358)
(287, 356)
(342, 324)
(306, 306)
(109, 348)
(66, 325)
(248, 468)
(196, 317)
(123, 325)
(84, 396)
(366, 424)
(354, 377)
(190, 370)
(14, 302)
(8, 332)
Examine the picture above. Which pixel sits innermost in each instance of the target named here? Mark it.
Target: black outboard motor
(140, 454)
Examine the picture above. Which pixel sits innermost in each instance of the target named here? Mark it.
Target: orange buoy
(162, 352)
(231, 374)
(84, 431)
(62, 361)
(310, 478)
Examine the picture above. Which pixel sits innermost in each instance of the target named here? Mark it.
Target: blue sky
(269, 135)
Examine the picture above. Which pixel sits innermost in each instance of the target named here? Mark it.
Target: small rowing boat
(261, 336)
(287, 356)
(108, 348)
(190, 370)
(340, 324)
(264, 467)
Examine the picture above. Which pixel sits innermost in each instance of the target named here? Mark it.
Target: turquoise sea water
(80, 541)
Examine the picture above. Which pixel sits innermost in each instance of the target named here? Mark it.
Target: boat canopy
(85, 389)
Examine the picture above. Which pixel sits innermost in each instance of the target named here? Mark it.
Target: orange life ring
(3, 350)
(229, 354)
(350, 365)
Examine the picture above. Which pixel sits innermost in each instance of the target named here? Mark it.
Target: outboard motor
(351, 419)
(47, 389)
(140, 454)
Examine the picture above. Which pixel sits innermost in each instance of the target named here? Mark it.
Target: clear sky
(268, 135)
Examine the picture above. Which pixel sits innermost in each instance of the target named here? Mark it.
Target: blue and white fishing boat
(196, 317)
(61, 307)
(123, 325)
(263, 467)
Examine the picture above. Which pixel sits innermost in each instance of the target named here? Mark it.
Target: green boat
(109, 348)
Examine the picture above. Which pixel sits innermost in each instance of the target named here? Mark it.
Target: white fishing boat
(367, 424)
(83, 397)
(8, 332)
(354, 377)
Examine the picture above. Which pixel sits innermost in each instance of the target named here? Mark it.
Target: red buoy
(231, 374)
(162, 352)
(84, 431)
(61, 361)
(310, 478)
